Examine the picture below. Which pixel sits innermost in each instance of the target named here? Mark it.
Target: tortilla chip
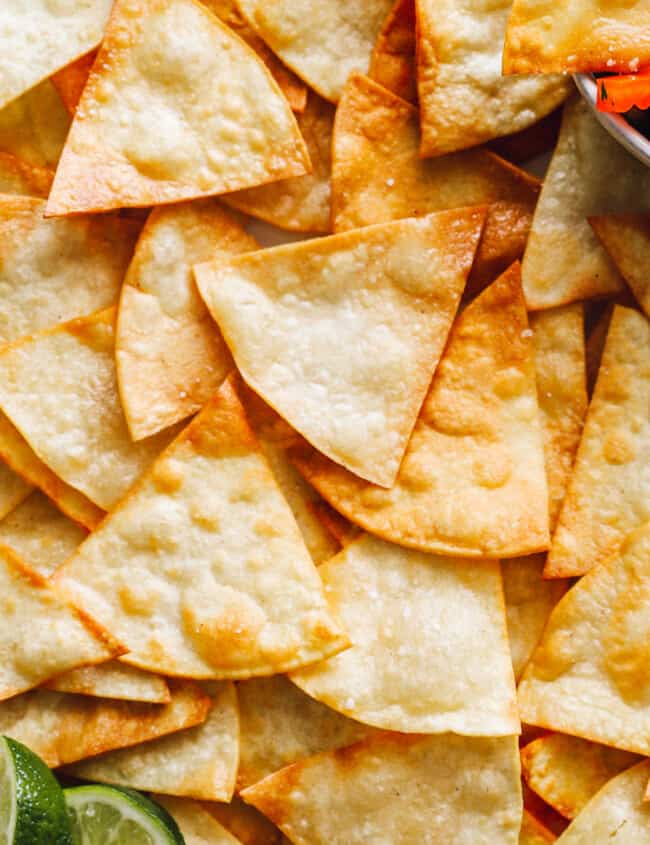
(294, 89)
(63, 728)
(616, 813)
(472, 483)
(113, 680)
(588, 675)
(280, 725)
(70, 414)
(246, 823)
(18, 177)
(42, 634)
(22, 459)
(533, 832)
(464, 99)
(545, 36)
(393, 60)
(200, 762)
(13, 490)
(34, 127)
(300, 204)
(626, 237)
(201, 568)
(590, 174)
(39, 533)
(567, 772)
(400, 790)
(322, 44)
(65, 32)
(196, 824)
(387, 293)
(54, 270)
(176, 107)
(71, 80)
(609, 491)
(170, 357)
(411, 616)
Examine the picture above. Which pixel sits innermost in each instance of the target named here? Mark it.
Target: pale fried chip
(54, 270)
(280, 725)
(40, 37)
(113, 680)
(19, 177)
(464, 100)
(533, 832)
(387, 293)
(323, 44)
(71, 80)
(34, 126)
(13, 490)
(472, 482)
(626, 237)
(393, 60)
(609, 491)
(40, 534)
(170, 357)
(42, 634)
(400, 790)
(246, 823)
(70, 413)
(176, 107)
(200, 762)
(196, 824)
(410, 616)
(63, 728)
(300, 204)
(566, 771)
(589, 174)
(590, 35)
(588, 676)
(615, 814)
(202, 568)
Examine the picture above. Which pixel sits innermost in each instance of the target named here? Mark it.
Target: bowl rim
(617, 126)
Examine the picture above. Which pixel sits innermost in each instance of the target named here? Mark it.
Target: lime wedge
(111, 815)
(32, 807)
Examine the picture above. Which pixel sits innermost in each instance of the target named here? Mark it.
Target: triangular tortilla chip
(71, 80)
(54, 270)
(626, 237)
(202, 568)
(280, 725)
(34, 126)
(588, 676)
(411, 616)
(300, 204)
(176, 107)
(170, 356)
(18, 177)
(400, 790)
(64, 728)
(566, 771)
(533, 832)
(464, 100)
(472, 482)
(615, 814)
(42, 634)
(589, 174)
(65, 32)
(200, 762)
(113, 680)
(587, 36)
(393, 59)
(246, 823)
(323, 44)
(609, 490)
(13, 490)
(70, 414)
(387, 293)
(196, 824)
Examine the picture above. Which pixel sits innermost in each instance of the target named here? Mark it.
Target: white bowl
(616, 124)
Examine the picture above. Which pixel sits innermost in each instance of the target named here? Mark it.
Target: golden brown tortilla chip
(609, 491)
(13, 490)
(34, 127)
(393, 60)
(202, 567)
(566, 771)
(533, 832)
(196, 824)
(71, 80)
(587, 36)
(113, 680)
(170, 357)
(588, 675)
(18, 177)
(200, 762)
(246, 823)
(388, 294)
(626, 237)
(472, 483)
(400, 790)
(464, 99)
(63, 728)
(176, 107)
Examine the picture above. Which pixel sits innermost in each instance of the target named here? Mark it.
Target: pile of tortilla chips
(337, 537)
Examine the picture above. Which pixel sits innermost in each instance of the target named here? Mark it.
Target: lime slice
(111, 815)
(32, 807)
